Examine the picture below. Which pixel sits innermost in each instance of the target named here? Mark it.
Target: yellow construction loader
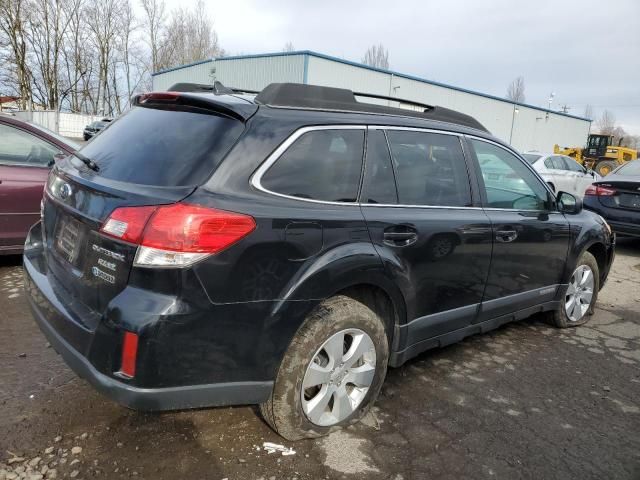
(600, 154)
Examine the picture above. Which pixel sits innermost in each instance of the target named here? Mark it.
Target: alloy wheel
(579, 293)
(338, 377)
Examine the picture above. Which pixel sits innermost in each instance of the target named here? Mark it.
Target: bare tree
(376, 56)
(606, 123)
(588, 111)
(155, 16)
(90, 55)
(515, 91)
(189, 37)
(13, 26)
(288, 47)
(103, 18)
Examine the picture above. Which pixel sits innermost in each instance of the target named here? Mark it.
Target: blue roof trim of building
(173, 69)
(375, 69)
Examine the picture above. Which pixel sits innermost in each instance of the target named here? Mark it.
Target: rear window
(631, 169)
(161, 147)
(531, 158)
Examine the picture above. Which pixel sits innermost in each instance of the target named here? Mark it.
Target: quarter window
(320, 165)
(508, 183)
(18, 147)
(430, 169)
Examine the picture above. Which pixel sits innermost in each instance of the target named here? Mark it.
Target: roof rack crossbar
(394, 99)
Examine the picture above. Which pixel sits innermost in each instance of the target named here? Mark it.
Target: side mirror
(568, 203)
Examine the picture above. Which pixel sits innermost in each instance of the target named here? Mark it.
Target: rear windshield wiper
(87, 161)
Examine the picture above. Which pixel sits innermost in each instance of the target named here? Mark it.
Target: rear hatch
(156, 154)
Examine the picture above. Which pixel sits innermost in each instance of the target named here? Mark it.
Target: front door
(530, 238)
(432, 238)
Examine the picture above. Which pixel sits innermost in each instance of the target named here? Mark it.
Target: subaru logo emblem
(64, 191)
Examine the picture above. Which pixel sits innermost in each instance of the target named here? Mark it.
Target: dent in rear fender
(331, 271)
(336, 270)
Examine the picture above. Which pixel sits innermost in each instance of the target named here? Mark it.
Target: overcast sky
(586, 51)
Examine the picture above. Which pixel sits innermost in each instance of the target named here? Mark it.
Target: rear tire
(605, 168)
(291, 408)
(580, 296)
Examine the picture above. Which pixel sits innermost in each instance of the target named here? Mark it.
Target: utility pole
(513, 120)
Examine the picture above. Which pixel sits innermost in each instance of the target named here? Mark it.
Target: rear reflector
(179, 234)
(599, 191)
(129, 354)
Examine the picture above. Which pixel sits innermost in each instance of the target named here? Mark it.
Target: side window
(555, 163)
(430, 169)
(572, 165)
(320, 165)
(508, 183)
(379, 185)
(18, 147)
(560, 163)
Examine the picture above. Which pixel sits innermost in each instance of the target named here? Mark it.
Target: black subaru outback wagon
(215, 248)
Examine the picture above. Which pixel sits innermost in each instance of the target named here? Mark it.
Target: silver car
(562, 173)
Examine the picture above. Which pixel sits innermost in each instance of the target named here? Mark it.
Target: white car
(562, 173)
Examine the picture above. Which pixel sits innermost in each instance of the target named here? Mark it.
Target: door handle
(506, 236)
(399, 239)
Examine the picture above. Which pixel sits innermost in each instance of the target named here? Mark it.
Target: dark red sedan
(27, 152)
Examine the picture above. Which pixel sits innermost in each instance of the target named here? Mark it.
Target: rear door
(24, 165)
(581, 179)
(429, 232)
(530, 238)
(562, 181)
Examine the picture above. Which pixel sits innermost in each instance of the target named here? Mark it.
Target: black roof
(297, 95)
(303, 96)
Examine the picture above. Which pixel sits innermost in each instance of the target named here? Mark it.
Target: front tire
(581, 294)
(331, 373)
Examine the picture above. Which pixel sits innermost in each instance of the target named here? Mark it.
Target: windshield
(166, 148)
(531, 157)
(632, 169)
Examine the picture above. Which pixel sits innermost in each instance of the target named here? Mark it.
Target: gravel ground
(525, 401)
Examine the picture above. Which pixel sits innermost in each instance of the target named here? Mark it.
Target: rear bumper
(149, 399)
(625, 229)
(74, 344)
(623, 222)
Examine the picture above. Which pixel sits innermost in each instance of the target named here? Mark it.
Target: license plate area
(629, 200)
(67, 238)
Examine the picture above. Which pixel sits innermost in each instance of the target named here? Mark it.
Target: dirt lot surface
(525, 401)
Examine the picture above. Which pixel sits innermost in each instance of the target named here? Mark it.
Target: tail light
(157, 96)
(600, 191)
(177, 235)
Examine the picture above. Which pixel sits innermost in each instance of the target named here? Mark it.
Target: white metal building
(526, 127)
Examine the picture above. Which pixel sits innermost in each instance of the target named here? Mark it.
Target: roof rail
(314, 97)
(394, 99)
